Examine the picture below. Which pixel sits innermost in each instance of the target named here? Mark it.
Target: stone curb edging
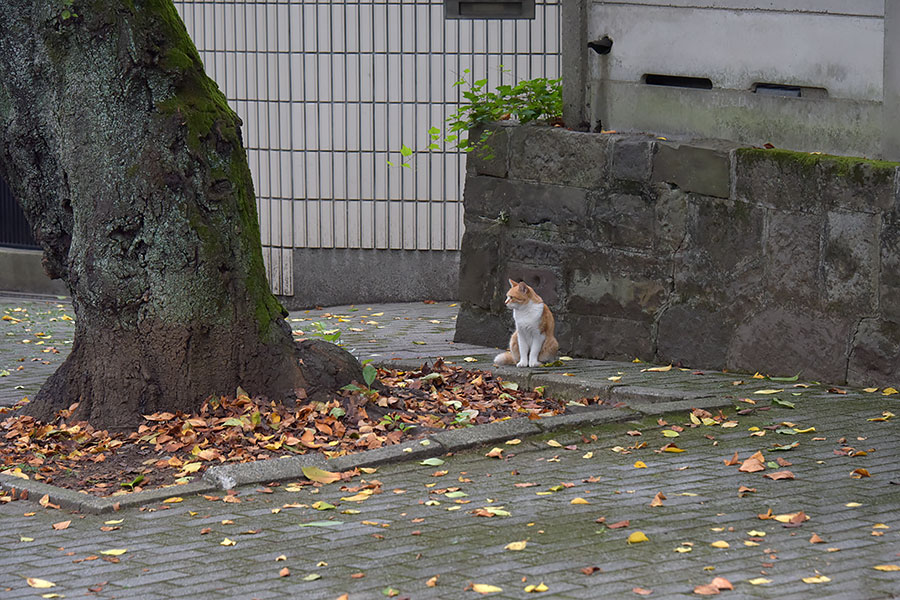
(640, 401)
(81, 502)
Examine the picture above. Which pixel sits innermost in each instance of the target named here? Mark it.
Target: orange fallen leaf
(284, 572)
(62, 525)
(706, 590)
(432, 582)
(592, 570)
(859, 473)
(658, 499)
(731, 461)
(722, 583)
(815, 539)
(641, 591)
(779, 475)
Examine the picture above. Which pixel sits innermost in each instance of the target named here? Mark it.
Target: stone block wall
(703, 254)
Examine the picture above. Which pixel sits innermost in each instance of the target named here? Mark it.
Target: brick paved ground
(411, 532)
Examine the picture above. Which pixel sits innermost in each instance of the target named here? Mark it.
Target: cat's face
(518, 294)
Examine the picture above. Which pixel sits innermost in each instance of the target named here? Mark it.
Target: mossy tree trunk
(130, 167)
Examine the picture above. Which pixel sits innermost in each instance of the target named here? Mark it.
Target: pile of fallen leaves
(175, 447)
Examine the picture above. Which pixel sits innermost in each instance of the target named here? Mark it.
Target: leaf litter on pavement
(174, 447)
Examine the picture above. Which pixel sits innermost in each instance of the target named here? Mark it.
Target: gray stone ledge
(85, 503)
(498, 431)
(659, 408)
(411, 450)
(226, 477)
(588, 418)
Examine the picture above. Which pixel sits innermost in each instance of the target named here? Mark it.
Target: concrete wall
(21, 271)
(328, 277)
(699, 253)
(840, 55)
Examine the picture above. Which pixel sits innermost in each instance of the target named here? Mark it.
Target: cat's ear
(512, 283)
(522, 287)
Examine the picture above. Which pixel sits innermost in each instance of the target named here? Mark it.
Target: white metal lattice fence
(329, 91)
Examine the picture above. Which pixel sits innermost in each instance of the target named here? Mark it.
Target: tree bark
(130, 167)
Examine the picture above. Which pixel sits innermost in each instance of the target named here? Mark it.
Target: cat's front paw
(535, 363)
(522, 363)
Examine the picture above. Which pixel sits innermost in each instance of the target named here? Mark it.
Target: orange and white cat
(532, 343)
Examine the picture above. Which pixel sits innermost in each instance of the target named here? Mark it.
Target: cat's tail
(504, 358)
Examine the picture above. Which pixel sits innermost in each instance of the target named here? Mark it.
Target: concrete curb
(640, 401)
(78, 501)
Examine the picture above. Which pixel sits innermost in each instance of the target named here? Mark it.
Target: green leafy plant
(130, 485)
(68, 10)
(393, 421)
(538, 99)
(369, 373)
(329, 335)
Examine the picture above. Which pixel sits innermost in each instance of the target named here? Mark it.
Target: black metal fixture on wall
(489, 9)
(15, 232)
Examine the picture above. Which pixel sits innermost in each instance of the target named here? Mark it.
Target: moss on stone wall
(859, 170)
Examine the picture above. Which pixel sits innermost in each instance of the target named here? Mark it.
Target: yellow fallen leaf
(39, 583)
(672, 448)
(853, 504)
(432, 582)
(787, 518)
(880, 526)
(756, 533)
(683, 549)
(588, 455)
(807, 430)
(114, 552)
(670, 433)
(470, 359)
(495, 453)
(173, 500)
(363, 495)
(759, 581)
(113, 522)
(320, 475)
(17, 472)
(516, 545)
(484, 588)
(368, 470)
(52, 595)
(227, 542)
(888, 391)
(579, 501)
(870, 390)
(26, 539)
(887, 567)
(816, 579)
(536, 588)
(192, 467)
(615, 378)
(513, 442)
(554, 443)
(280, 557)
(749, 543)
(637, 537)
(658, 369)
(768, 391)
(640, 465)
(720, 544)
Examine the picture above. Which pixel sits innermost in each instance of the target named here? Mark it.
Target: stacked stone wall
(700, 253)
